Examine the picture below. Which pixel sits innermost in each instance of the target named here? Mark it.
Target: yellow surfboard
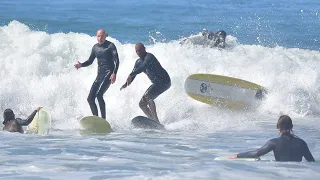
(94, 125)
(223, 91)
(41, 123)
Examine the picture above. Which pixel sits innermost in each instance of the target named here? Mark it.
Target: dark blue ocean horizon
(266, 23)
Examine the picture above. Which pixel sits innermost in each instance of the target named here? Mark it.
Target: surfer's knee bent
(143, 102)
(150, 101)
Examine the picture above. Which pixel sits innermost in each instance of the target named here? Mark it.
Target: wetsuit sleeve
(269, 146)
(134, 68)
(306, 153)
(142, 66)
(28, 120)
(90, 60)
(115, 58)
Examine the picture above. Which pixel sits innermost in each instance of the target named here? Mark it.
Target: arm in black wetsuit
(132, 77)
(115, 58)
(269, 146)
(28, 120)
(140, 67)
(90, 60)
(306, 153)
(133, 70)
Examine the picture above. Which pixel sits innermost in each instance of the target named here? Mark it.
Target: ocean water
(271, 43)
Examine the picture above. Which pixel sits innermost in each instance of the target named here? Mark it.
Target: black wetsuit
(15, 125)
(108, 64)
(158, 76)
(287, 147)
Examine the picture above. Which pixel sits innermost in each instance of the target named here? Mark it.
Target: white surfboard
(41, 123)
(227, 158)
(94, 125)
(223, 91)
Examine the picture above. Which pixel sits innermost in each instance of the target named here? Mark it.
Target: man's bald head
(139, 45)
(140, 50)
(102, 31)
(101, 36)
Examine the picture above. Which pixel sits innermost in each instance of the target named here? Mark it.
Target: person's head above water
(8, 115)
(101, 36)
(284, 124)
(140, 50)
(221, 34)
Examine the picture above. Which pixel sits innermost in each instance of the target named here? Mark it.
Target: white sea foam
(37, 69)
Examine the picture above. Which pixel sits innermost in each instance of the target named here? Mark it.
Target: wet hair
(284, 123)
(8, 115)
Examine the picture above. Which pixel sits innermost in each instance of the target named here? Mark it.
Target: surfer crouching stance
(159, 77)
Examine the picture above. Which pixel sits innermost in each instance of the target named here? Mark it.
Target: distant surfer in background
(287, 147)
(13, 124)
(211, 39)
(219, 38)
(108, 64)
(159, 77)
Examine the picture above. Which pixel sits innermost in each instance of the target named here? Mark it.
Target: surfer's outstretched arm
(269, 146)
(27, 121)
(130, 77)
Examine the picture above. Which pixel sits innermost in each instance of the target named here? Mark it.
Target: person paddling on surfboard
(287, 147)
(108, 64)
(159, 77)
(13, 124)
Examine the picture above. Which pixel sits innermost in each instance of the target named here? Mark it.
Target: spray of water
(37, 69)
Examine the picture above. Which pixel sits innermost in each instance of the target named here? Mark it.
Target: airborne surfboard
(223, 90)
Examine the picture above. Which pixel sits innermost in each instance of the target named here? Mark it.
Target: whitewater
(37, 69)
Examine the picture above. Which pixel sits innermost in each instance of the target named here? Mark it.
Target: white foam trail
(37, 69)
